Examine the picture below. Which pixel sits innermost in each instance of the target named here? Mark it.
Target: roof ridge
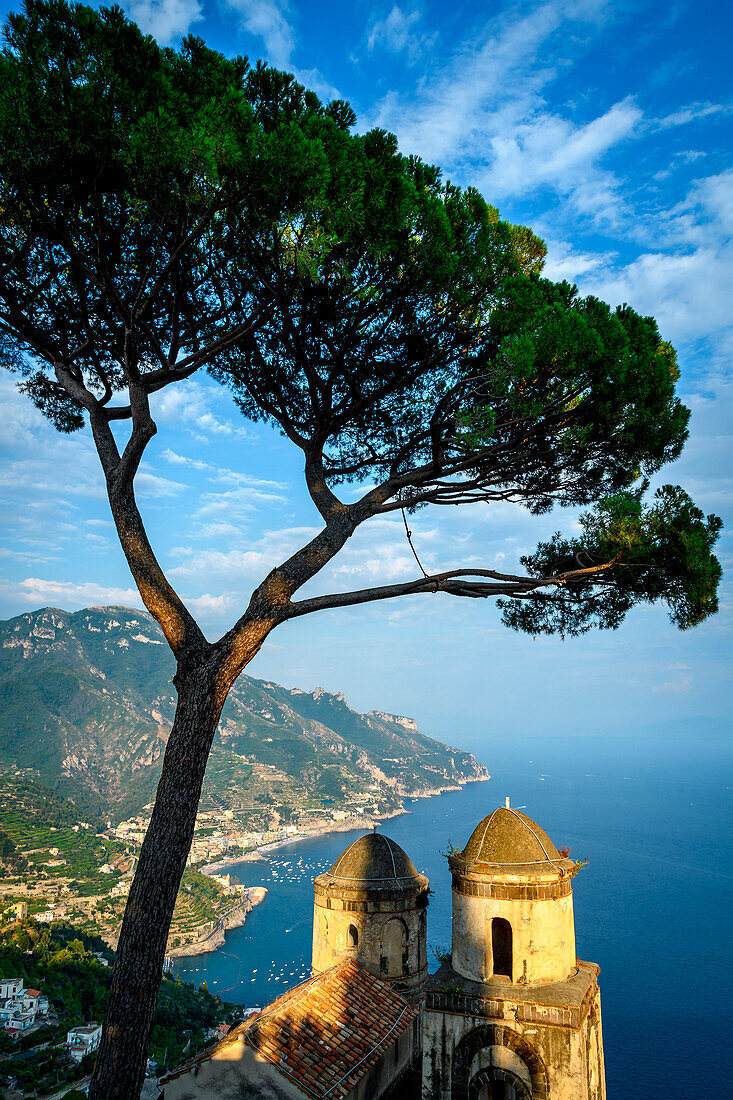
(486, 829)
(375, 860)
(346, 970)
(388, 842)
(345, 851)
(496, 841)
(524, 820)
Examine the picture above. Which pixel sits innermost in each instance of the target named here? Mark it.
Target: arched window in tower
(498, 1084)
(394, 960)
(352, 936)
(501, 946)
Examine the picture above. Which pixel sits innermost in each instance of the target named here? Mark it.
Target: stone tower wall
(543, 936)
(545, 1062)
(391, 935)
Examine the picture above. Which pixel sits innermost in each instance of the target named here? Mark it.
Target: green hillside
(87, 702)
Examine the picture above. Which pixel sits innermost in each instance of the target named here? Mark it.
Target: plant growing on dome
(450, 850)
(164, 212)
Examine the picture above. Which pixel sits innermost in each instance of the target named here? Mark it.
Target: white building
(18, 1012)
(83, 1040)
(10, 987)
(20, 1020)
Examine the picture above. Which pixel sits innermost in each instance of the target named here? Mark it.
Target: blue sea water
(653, 817)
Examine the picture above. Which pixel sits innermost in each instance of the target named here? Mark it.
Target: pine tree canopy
(167, 211)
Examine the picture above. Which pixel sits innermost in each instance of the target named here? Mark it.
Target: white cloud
(29, 556)
(315, 81)
(266, 19)
(550, 151)
(682, 290)
(236, 502)
(398, 31)
(71, 596)
(239, 568)
(681, 685)
(220, 473)
(681, 280)
(447, 114)
(565, 262)
(486, 117)
(153, 485)
(693, 113)
(43, 462)
(182, 460)
(689, 156)
(378, 552)
(714, 195)
(208, 605)
(215, 530)
(166, 20)
(188, 405)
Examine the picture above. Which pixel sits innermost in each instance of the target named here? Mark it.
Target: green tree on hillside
(164, 212)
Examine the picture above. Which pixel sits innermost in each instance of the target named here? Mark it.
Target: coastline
(355, 821)
(217, 938)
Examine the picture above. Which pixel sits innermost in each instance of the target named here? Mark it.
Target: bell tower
(371, 907)
(514, 1014)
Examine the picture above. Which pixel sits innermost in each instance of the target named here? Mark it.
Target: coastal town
(69, 851)
(54, 866)
(63, 889)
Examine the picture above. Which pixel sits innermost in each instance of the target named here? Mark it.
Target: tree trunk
(122, 1059)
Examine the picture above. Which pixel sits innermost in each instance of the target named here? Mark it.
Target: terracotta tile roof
(325, 1034)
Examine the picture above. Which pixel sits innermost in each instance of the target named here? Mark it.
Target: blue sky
(607, 128)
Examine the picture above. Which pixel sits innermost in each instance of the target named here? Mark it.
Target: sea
(652, 815)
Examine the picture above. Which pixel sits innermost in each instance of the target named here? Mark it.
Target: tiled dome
(374, 859)
(508, 837)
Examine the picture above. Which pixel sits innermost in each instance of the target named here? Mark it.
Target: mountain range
(87, 703)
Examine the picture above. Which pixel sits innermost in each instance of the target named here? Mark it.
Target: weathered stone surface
(370, 907)
(515, 1013)
(507, 836)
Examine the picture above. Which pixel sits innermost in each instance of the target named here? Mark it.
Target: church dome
(374, 860)
(370, 907)
(509, 838)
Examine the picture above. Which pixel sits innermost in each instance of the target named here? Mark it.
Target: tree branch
(452, 583)
(325, 500)
(162, 601)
